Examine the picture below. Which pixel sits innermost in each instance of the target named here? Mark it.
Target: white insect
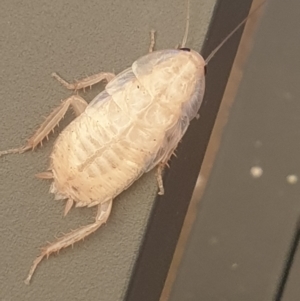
(134, 125)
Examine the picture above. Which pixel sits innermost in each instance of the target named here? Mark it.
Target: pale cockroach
(131, 127)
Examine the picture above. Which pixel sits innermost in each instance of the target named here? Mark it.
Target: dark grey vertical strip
(244, 241)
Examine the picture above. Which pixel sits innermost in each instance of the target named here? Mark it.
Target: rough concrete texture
(73, 38)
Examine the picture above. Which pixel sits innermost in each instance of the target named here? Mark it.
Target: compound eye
(205, 70)
(185, 49)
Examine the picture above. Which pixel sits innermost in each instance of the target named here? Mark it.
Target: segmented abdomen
(92, 163)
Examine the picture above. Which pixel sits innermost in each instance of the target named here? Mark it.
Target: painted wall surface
(75, 39)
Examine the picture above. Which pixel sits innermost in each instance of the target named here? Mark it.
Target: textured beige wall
(74, 38)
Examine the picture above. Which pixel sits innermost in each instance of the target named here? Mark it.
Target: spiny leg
(85, 82)
(72, 237)
(78, 104)
(159, 173)
(152, 40)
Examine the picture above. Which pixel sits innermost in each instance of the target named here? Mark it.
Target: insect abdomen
(90, 164)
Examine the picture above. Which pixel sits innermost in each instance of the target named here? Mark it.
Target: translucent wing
(118, 83)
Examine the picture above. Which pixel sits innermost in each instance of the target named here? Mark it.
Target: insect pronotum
(131, 127)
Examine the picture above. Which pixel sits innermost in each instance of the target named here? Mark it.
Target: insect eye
(205, 70)
(185, 49)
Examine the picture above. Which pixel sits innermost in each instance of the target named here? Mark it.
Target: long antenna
(187, 24)
(212, 54)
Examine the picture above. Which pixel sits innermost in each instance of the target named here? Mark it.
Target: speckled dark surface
(246, 227)
(74, 39)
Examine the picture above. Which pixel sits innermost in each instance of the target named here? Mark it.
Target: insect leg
(46, 175)
(152, 40)
(68, 207)
(78, 104)
(160, 184)
(72, 237)
(85, 82)
(159, 173)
